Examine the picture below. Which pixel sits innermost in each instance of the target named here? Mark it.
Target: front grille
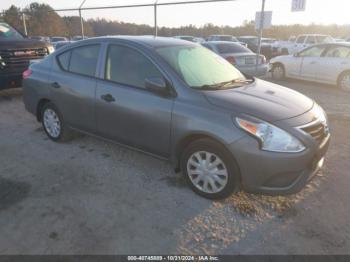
(15, 61)
(318, 131)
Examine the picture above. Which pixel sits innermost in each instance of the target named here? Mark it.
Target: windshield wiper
(225, 84)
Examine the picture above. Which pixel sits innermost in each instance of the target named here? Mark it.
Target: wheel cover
(345, 83)
(52, 123)
(278, 72)
(207, 172)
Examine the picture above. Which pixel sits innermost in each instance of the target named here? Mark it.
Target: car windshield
(232, 48)
(7, 31)
(201, 68)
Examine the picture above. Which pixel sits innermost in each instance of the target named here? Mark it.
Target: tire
(203, 178)
(344, 81)
(278, 72)
(53, 123)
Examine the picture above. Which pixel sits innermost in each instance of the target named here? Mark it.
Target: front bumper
(276, 173)
(251, 70)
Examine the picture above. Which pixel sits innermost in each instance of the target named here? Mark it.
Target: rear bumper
(251, 70)
(276, 173)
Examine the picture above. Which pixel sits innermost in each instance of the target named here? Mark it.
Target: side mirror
(156, 85)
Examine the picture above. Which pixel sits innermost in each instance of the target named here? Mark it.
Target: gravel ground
(91, 197)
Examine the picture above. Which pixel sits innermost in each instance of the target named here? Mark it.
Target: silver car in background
(324, 63)
(241, 57)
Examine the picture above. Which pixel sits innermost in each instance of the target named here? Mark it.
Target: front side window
(129, 67)
(83, 60)
(315, 51)
(198, 66)
(338, 52)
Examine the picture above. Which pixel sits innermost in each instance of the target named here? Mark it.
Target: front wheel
(278, 72)
(210, 169)
(344, 81)
(53, 124)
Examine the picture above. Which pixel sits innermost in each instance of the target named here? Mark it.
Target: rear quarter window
(63, 60)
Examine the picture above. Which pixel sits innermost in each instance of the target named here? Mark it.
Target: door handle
(55, 85)
(108, 98)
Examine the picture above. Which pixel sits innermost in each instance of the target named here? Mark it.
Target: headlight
(51, 49)
(271, 137)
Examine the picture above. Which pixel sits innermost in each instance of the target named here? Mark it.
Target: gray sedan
(179, 101)
(241, 57)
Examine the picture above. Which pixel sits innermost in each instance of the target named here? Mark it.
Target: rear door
(127, 112)
(73, 84)
(310, 62)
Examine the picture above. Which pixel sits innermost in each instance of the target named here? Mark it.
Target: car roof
(147, 41)
(223, 42)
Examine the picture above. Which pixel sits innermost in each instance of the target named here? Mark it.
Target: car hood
(20, 43)
(264, 100)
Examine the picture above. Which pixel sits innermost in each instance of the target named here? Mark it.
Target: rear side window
(63, 60)
(80, 60)
(311, 40)
(301, 39)
(83, 60)
(129, 67)
(232, 48)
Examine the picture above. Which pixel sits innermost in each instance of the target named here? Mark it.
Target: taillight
(231, 59)
(27, 73)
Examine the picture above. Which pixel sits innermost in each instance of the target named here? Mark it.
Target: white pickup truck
(299, 43)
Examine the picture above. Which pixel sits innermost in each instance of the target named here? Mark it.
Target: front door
(125, 110)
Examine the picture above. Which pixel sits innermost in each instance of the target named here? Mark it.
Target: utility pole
(155, 19)
(261, 28)
(24, 24)
(81, 19)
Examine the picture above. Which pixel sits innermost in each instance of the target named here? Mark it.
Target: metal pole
(24, 24)
(260, 35)
(81, 19)
(81, 24)
(155, 19)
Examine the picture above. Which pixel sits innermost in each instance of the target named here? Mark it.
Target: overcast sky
(228, 13)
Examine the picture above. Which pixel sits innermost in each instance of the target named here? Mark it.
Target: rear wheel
(278, 72)
(53, 124)
(344, 81)
(210, 169)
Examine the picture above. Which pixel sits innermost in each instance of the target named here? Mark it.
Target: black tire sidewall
(55, 109)
(233, 183)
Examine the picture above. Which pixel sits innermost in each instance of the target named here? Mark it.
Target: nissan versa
(177, 100)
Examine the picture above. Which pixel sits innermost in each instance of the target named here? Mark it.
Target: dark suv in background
(16, 52)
